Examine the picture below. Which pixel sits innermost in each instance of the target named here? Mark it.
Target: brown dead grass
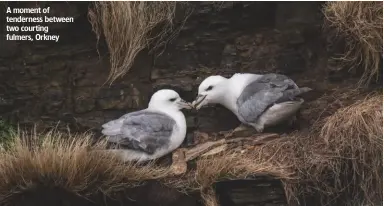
(337, 162)
(351, 147)
(128, 28)
(341, 157)
(360, 25)
(64, 161)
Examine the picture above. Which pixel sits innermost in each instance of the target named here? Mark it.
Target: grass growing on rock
(339, 161)
(129, 27)
(60, 160)
(353, 139)
(360, 25)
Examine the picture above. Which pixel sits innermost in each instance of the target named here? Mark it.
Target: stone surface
(296, 14)
(259, 191)
(8, 48)
(219, 38)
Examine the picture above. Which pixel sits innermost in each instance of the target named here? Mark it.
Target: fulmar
(257, 100)
(150, 133)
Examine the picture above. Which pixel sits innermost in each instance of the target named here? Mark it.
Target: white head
(167, 99)
(211, 91)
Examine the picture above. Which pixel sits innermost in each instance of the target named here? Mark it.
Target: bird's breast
(180, 129)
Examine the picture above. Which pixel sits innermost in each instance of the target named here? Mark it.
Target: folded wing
(261, 94)
(144, 130)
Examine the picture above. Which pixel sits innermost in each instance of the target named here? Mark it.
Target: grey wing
(145, 131)
(278, 80)
(254, 106)
(291, 94)
(266, 82)
(250, 90)
(261, 94)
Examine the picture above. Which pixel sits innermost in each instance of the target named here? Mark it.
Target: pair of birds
(257, 100)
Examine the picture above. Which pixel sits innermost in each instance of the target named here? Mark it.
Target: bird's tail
(304, 90)
(291, 94)
(296, 92)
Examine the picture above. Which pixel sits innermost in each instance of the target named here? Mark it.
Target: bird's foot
(242, 130)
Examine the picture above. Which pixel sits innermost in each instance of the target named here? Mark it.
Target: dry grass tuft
(65, 162)
(363, 119)
(342, 162)
(360, 25)
(209, 198)
(129, 27)
(352, 142)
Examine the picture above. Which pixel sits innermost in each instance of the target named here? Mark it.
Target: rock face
(44, 82)
(258, 191)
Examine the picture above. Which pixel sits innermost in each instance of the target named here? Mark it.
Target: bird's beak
(184, 105)
(199, 101)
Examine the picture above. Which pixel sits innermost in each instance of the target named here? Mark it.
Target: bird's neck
(227, 96)
(233, 87)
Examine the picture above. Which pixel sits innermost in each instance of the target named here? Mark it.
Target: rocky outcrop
(46, 82)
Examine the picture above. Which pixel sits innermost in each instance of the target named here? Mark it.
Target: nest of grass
(129, 27)
(337, 162)
(360, 26)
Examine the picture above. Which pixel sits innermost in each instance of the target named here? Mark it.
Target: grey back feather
(144, 130)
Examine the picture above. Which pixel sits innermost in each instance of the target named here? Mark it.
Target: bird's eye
(172, 100)
(209, 88)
